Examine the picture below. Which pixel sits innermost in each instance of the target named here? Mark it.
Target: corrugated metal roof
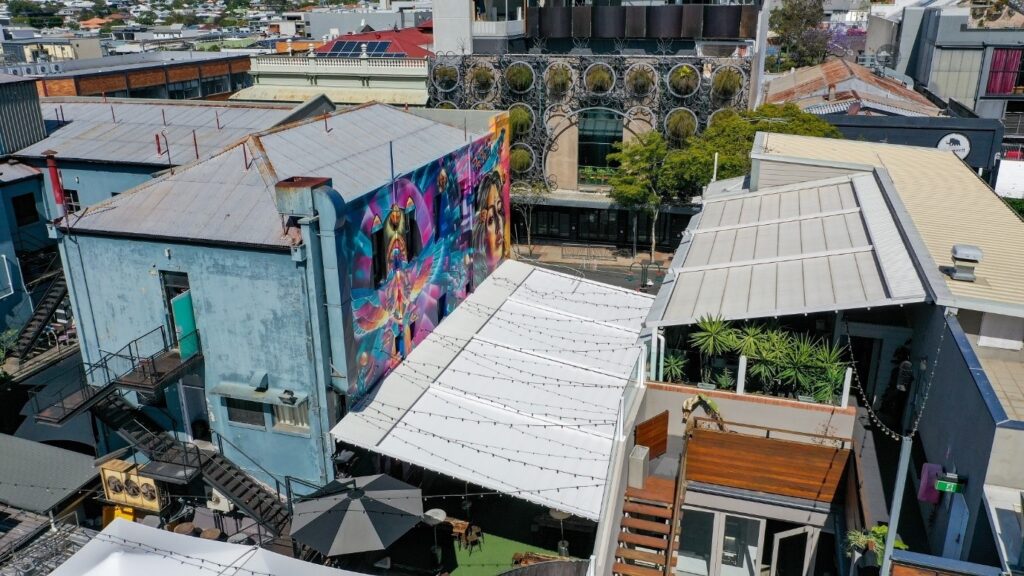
(87, 129)
(12, 79)
(36, 477)
(516, 391)
(221, 200)
(12, 171)
(947, 203)
(816, 246)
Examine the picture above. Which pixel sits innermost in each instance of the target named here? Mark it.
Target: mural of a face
(489, 224)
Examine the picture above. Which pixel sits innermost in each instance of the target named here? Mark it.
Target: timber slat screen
(653, 433)
(784, 467)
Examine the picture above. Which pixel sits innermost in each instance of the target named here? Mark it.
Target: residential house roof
(518, 390)
(127, 548)
(229, 198)
(413, 42)
(125, 130)
(809, 89)
(947, 204)
(816, 246)
(44, 475)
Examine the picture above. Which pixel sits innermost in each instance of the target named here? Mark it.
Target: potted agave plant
(870, 544)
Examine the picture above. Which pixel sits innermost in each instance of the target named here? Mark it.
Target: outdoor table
(459, 529)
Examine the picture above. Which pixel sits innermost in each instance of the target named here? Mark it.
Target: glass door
(720, 544)
(791, 555)
(741, 554)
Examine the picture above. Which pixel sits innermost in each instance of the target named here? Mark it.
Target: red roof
(408, 41)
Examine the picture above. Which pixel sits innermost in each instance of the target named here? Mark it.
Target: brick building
(172, 75)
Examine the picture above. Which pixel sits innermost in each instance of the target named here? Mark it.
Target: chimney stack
(58, 188)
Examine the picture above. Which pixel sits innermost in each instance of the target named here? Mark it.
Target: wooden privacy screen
(784, 467)
(653, 433)
(903, 570)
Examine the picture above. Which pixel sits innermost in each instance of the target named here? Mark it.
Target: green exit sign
(949, 483)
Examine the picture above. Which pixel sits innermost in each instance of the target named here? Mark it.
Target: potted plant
(520, 159)
(726, 83)
(446, 77)
(871, 543)
(683, 80)
(713, 338)
(520, 120)
(446, 106)
(640, 80)
(831, 372)
(599, 79)
(559, 80)
(680, 125)
(675, 367)
(482, 79)
(519, 77)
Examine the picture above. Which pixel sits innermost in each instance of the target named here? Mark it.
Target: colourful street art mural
(423, 243)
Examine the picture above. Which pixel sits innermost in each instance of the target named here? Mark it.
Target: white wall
(453, 26)
(1010, 182)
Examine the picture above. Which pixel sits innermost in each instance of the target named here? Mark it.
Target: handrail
(220, 447)
(768, 430)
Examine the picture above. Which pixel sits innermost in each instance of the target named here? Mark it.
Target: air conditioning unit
(123, 485)
(219, 502)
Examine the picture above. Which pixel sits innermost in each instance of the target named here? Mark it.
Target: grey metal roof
(12, 79)
(222, 200)
(36, 477)
(138, 61)
(12, 171)
(816, 246)
(125, 130)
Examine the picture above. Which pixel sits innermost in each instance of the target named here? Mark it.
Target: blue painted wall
(251, 314)
(94, 181)
(16, 307)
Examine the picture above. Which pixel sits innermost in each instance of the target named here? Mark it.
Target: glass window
(183, 90)
(380, 262)
(245, 412)
(293, 418)
(739, 546)
(598, 131)
(599, 225)
(71, 201)
(696, 535)
(1005, 73)
(25, 212)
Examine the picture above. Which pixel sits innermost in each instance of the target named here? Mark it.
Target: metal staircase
(41, 316)
(251, 497)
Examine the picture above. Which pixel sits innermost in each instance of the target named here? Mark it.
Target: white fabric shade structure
(517, 391)
(126, 548)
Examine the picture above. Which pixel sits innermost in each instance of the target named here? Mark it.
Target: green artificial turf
(493, 558)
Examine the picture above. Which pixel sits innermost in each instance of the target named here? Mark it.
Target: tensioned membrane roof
(817, 246)
(516, 391)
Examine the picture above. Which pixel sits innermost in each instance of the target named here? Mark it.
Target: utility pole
(897, 504)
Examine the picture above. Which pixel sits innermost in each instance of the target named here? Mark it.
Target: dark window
(413, 241)
(245, 412)
(25, 212)
(598, 131)
(71, 201)
(380, 259)
(442, 306)
(599, 225)
(438, 213)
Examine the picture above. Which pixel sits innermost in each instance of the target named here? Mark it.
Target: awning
(272, 93)
(516, 391)
(278, 396)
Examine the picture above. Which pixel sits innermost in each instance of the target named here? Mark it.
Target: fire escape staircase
(170, 460)
(41, 316)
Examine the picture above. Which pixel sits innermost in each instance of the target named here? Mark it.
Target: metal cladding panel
(722, 21)
(581, 21)
(609, 22)
(748, 22)
(556, 22)
(636, 21)
(532, 22)
(664, 21)
(693, 20)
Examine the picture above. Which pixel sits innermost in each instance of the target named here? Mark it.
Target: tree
(146, 19)
(792, 19)
(100, 8)
(731, 136)
(643, 180)
(527, 195)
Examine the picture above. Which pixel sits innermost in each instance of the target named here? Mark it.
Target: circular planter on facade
(558, 80)
(483, 106)
(718, 114)
(447, 105)
(519, 77)
(445, 77)
(520, 120)
(683, 80)
(520, 158)
(481, 81)
(641, 80)
(599, 78)
(726, 83)
(680, 124)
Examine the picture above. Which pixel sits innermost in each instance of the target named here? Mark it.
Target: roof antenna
(163, 114)
(112, 117)
(217, 114)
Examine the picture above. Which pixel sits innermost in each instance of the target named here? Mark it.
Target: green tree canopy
(793, 22)
(731, 135)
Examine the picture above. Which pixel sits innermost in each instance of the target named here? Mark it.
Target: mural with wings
(422, 244)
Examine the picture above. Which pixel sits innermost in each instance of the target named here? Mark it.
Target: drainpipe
(58, 189)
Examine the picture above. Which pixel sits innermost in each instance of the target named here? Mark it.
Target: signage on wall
(956, 143)
(950, 483)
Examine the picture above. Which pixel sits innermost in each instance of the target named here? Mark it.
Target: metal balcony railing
(1013, 123)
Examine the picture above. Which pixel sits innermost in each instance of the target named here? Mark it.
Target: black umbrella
(357, 515)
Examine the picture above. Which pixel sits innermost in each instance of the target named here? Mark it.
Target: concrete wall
(1007, 461)
(95, 182)
(453, 26)
(562, 162)
(251, 315)
(775, 413)
(15, 303)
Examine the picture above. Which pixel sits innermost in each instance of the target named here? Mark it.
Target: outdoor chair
(474, 537)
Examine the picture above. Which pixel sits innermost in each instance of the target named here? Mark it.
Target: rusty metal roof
(229, 198)
(125, 130)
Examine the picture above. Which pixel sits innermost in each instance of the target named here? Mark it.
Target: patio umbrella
(357, 515)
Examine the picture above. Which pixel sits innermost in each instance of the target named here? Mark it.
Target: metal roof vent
(965, 259)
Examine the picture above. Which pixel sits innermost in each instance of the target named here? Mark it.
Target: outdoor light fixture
(288, 397)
